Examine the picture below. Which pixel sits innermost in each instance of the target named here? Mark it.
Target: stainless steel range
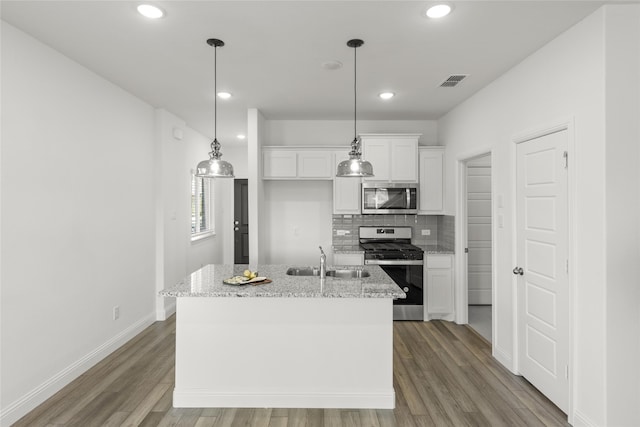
(391, 249)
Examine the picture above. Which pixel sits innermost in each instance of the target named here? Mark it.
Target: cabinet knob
(518, 270)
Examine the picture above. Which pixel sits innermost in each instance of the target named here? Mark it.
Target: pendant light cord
(215, 93)
(355, 94)
(215, 145)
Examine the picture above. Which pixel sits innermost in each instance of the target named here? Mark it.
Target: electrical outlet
(426, 232)
(342, 232)
(116, 312)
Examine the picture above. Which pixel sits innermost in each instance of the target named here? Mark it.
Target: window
(201, 208)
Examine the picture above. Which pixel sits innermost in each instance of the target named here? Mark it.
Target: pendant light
(215, 167)
(354, 166)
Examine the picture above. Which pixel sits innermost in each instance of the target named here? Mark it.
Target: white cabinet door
(394, 158)
(439, 286)
(439, 291)
(346, 195)
(376, 152)
(279, 164)
(431, 198)
(314, 164)
(404, 162)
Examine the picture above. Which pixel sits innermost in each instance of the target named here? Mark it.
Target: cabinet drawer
(439, 261)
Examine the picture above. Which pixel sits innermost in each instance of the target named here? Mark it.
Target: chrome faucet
(323, 264)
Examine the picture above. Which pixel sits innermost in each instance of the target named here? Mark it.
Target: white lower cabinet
(348, 259)
(438, 278)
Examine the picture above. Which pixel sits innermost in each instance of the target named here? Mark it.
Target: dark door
(241, 222)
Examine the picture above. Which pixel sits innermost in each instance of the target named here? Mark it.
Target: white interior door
(479, 230)
(543, 285)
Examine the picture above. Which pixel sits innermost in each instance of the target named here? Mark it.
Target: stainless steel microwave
(388, 198)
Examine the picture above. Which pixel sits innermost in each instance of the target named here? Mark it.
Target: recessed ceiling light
(332, 65)
(224, 95)
(241, 136)
(386, 95)
(439, 11)
(150, 11)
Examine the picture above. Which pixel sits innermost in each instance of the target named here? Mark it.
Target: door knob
(518, 270)
(236, 222)
(236, 228)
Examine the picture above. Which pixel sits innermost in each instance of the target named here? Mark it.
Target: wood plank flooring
(444, 375)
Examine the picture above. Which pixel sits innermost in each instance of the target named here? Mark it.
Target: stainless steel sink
(336, 274)
(295, 271)
(348, 274)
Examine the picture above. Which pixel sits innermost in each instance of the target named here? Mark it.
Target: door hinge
(466, 250)
(566, 372)
(566, 266)
(565, 158)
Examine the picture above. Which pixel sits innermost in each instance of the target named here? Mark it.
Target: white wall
(77, 220)
(236, 154)
(176, 160)
(340, 132)
(297, 217)
(563, 80)
(257, 226)
(622, 110)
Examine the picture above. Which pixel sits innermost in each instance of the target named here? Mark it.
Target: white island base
(284, 353)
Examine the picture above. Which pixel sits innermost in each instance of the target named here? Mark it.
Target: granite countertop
(207, 282)
(435, 249)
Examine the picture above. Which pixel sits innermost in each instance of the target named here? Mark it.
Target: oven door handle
(393, 262)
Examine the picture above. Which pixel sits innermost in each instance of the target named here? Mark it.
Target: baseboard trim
(581, 420)
(163, 313)
(211, 399)
(21, 407)
(505, 359)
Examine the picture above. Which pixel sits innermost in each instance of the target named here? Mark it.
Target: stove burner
(389, 247)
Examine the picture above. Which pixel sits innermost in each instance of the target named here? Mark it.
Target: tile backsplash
(441, 228)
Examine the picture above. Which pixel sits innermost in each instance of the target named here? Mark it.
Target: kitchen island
(298, 342)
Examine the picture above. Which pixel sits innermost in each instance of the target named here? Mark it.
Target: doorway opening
(241, 221)
(479, 244)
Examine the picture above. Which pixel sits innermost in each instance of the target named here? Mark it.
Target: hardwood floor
(444, 375)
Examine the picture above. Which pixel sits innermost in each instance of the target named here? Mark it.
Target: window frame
(206, 193)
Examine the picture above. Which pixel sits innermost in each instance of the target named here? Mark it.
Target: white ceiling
(274, 51)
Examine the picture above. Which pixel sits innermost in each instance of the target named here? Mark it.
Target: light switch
(426, 232)
(500, 221)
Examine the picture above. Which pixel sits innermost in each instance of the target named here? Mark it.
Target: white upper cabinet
(315, 164)
(394, 157)
(297, 163)
(431, 197)
(279, 164)
(376, 152)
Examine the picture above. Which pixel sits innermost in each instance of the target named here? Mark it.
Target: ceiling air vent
(453, 80)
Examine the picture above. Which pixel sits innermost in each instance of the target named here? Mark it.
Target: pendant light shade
(354, 166)
(215, 167)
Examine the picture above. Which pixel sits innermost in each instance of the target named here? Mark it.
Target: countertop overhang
(207, 282)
